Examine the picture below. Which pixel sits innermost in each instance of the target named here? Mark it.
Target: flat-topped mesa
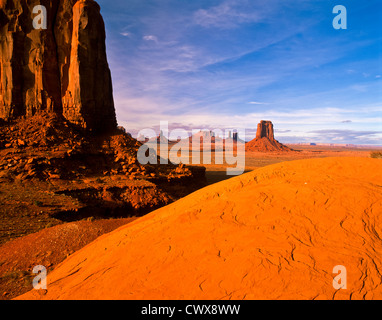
(265, 140)
(61, 69)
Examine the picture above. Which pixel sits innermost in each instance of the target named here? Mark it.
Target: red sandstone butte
(265, 140)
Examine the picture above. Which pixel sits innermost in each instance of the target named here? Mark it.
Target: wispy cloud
(257, 102)
(347, 136)
(150, 38)
(289, 126)
(227, 15)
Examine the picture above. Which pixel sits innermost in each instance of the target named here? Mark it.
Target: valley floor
(26, 220)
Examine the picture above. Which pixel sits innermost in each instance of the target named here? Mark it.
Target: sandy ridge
(274, 233)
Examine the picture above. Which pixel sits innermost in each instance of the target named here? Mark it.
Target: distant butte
(265, 140)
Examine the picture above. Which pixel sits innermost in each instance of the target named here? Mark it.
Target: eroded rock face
(61, 69)
(28, 61)
(265, 130)
(88, 98)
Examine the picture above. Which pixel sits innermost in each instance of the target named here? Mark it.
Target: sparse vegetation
(376, 155)
(38, 203)
(23, 277)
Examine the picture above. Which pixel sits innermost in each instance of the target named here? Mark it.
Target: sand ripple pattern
(274, 233)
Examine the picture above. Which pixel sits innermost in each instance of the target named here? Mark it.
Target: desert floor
(254, 160)
(58, 239)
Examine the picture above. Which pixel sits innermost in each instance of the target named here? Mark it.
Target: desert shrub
(38, 203)
(376, 155)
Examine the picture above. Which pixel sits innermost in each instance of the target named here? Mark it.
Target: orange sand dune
(274, 233)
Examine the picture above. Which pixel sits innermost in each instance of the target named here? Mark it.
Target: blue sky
(228, 64)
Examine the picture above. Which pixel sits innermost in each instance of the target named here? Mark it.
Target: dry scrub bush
(376, 155)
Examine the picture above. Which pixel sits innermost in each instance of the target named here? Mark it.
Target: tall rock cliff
(265, 130)
(61, 69)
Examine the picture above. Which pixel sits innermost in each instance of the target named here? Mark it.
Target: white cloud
(125, 34)
(257, 102)
(150, 38)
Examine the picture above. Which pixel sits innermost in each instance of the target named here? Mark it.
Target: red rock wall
(62, 69)
(265, 130)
